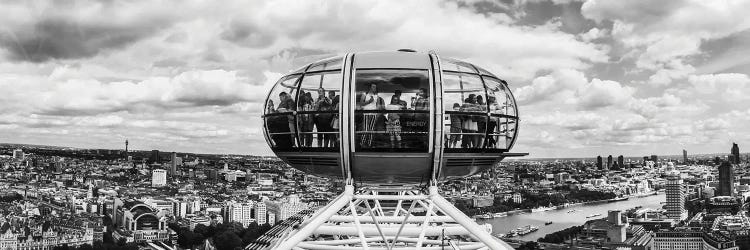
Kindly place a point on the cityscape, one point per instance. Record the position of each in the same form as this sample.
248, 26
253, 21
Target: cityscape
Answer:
120, 199
374, 124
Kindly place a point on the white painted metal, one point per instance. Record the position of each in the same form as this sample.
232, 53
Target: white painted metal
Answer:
373, 219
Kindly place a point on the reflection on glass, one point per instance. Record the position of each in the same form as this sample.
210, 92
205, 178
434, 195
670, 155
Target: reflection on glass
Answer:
384, 119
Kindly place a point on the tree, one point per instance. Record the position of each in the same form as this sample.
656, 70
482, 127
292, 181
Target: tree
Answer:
227, 240
530, 245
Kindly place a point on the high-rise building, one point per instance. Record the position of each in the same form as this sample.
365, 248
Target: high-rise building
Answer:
654, 158
155, 156
599, 162
260, 213
735, 154
158, 178
18, 154
239, 212
126, 147
175, 162
675, 194
609, 162
684, 156
621, 161
726, 180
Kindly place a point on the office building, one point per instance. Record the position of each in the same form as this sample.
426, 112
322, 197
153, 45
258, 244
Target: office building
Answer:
654, 158
158, 178
599, 162
684, 156
675, 194
726, 180
239, 212
174, 164
154, 156
621, 161
609, 162
735, 154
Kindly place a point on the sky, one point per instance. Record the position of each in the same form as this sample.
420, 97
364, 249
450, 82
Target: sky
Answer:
591, 77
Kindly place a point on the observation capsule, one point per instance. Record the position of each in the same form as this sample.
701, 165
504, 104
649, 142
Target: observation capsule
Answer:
391, 118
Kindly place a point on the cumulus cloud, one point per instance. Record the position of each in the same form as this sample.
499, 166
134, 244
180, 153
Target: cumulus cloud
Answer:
668, 33
39, 31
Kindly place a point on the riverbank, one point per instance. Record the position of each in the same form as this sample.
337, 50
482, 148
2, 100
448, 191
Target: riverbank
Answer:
561, 219
559, 207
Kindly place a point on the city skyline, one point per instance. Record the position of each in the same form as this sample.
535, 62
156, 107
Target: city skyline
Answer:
589, 78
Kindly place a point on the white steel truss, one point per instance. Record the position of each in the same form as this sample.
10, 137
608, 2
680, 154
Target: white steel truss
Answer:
376, 218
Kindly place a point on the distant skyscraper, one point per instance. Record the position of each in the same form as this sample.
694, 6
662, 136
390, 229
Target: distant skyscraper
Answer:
726, 179
173, 169
675, 194
126, 146
684, 156
155, 156
609, 162
621, 161
654, 158
599, 162
158, 178
735, 154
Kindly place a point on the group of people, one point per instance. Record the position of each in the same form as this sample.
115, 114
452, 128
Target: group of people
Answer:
466, 130
371, 101
313, 113
469, 130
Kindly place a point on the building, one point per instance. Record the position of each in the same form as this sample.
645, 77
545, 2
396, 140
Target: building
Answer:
675, 195
239, 212
285, 208
735, 154
690, 239
139, 222
609, 162
684, 156
14, 236
174, 164
726, 180
155, 156
599, 162
654, 158
260, 213
517, 198
18, 154
621, 161
158, 178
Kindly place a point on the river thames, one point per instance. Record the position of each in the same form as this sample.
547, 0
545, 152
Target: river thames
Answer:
562, 219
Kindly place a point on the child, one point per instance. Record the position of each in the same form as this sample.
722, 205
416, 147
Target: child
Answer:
455, 127
393, 124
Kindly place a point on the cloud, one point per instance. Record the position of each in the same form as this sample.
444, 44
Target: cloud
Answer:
667, 34
603, 93
69, 30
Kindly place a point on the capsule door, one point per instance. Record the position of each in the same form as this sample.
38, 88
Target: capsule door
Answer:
390, 115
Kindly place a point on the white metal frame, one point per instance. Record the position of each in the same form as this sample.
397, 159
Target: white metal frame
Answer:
377, 218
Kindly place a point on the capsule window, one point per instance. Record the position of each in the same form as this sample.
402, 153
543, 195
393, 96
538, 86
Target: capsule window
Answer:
392, 110
317, 110
503, 120
279, 113
465, 111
